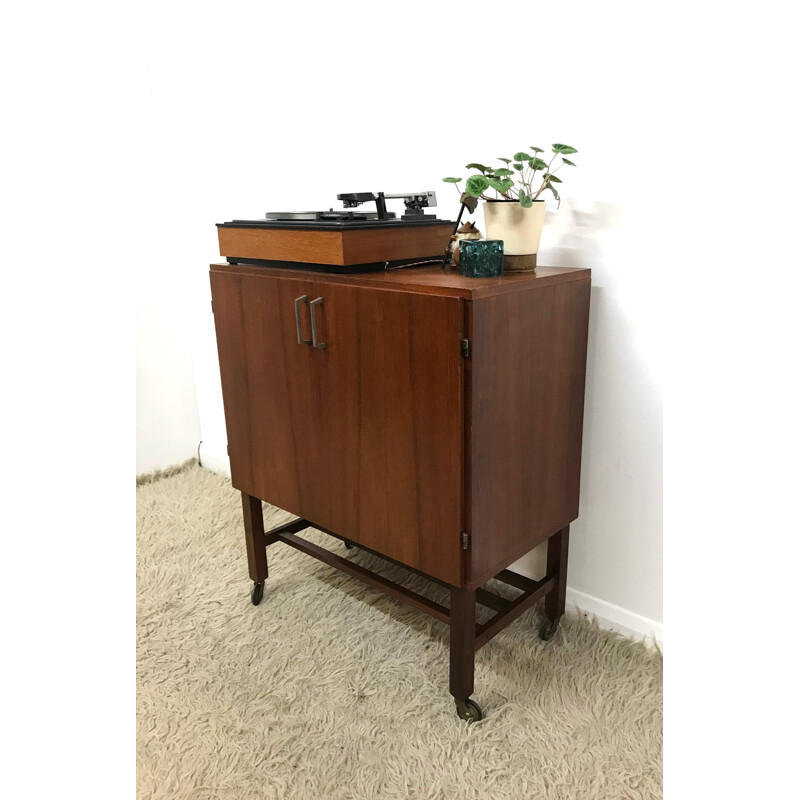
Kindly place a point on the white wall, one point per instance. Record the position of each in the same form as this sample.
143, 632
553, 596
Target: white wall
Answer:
244, 122
167, 419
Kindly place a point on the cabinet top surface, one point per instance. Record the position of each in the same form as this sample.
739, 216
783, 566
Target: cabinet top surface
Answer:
425, 280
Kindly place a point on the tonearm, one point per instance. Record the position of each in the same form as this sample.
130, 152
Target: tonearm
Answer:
415, 203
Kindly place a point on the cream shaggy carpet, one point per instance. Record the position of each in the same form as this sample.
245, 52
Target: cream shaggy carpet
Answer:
330, 690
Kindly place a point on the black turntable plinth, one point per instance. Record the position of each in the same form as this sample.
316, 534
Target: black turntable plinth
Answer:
339, 241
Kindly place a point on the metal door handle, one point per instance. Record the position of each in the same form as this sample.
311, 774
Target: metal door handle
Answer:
314, 341
300, 339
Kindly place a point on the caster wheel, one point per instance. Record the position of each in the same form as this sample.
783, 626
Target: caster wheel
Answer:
257, 593
469, 710
348, 545
548, 629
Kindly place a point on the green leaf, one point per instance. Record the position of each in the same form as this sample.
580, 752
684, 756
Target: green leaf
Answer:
524, 200
555, 193
567, 161
537, 149
499, 173
476, 185
565, 149
518, 167
507, 160
481, 167
502, 185
549, 177
451, 180
521, 157
537, 163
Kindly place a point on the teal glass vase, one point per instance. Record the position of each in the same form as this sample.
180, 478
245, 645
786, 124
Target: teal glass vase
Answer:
482, 258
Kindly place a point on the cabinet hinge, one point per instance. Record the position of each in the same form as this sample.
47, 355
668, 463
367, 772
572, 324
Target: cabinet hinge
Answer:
465, 348
212, 306
464, 541
228, 449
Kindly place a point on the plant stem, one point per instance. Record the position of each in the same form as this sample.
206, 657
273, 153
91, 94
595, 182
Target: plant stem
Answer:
532, 179
546, 173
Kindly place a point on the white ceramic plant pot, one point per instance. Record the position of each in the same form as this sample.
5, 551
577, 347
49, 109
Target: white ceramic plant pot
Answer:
519, 228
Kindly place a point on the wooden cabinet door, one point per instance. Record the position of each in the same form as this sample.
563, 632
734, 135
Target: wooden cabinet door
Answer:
363, 436
264, 371
390, 403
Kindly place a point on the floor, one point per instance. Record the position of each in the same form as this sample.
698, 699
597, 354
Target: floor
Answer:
331, 690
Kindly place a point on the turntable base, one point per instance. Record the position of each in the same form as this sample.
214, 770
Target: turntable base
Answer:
346, 246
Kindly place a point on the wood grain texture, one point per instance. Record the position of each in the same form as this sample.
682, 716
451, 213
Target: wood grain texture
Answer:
314, 247
341, 248
426, 280
409, 446
388, 244
526, 394
259, 409
390, 438
364, 437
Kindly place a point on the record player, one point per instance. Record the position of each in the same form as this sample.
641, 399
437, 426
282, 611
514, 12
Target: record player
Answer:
341, 240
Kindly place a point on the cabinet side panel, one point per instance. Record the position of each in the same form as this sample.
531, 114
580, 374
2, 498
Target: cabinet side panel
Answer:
527, 389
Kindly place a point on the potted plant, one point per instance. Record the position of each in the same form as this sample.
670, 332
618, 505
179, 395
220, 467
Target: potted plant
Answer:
515, 213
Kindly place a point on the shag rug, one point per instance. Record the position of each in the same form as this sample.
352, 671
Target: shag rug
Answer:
330, 690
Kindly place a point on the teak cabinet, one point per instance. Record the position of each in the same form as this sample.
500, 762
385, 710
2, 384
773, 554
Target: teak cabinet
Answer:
432, 419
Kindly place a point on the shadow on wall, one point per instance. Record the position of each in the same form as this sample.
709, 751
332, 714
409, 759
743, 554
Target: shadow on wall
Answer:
578, 233
615, 545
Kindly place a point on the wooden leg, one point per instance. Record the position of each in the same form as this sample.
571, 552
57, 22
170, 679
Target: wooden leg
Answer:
462, 652
254, 537
557, 551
